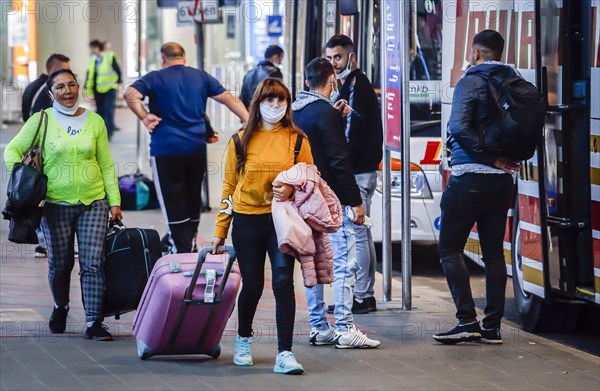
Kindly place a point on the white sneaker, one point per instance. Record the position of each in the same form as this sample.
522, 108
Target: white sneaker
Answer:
286, 363
323, 337
353, 338
241, 351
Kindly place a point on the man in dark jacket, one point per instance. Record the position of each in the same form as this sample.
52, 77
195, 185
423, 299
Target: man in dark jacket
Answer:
35, 96
479, 191
269, 67
324, 126
364, 133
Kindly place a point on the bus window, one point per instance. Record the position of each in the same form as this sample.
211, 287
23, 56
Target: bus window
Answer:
425, 54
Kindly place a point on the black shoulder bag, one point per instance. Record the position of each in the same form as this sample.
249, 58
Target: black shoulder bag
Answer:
26, 190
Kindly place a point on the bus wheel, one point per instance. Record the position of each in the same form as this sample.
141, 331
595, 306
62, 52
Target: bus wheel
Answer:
530, 307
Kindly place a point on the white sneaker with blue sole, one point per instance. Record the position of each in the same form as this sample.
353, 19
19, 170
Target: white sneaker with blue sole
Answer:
286, 363
241, 351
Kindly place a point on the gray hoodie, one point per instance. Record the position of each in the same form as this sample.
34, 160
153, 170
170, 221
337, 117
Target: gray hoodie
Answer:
304, 98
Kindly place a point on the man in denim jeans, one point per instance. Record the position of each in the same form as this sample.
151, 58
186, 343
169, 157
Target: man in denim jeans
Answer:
479, 191
364, 133
324, 126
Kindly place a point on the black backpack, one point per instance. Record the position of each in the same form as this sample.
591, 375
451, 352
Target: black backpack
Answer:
516, 124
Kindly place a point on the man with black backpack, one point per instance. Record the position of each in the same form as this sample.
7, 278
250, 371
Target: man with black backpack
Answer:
269, 67
479, 190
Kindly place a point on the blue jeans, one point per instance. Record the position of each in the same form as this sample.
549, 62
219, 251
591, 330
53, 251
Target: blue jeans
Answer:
40, 236
343, 245
365, 249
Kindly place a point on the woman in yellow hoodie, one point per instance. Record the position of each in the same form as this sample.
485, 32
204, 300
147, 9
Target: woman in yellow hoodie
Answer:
266, 146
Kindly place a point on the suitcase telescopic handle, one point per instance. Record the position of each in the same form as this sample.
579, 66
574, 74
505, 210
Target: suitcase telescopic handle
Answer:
187, 300
201, 259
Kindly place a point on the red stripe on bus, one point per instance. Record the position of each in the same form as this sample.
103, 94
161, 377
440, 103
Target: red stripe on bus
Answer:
529, 209
432, 153
596, 215
531, 245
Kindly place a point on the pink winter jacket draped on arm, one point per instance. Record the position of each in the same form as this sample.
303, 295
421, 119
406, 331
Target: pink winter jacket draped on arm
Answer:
303, 224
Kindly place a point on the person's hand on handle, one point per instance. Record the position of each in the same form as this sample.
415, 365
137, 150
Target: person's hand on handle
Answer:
115, 214
217, 245
283, 192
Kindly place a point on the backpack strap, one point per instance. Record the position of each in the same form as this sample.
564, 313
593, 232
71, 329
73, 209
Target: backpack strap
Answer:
237, 142
491, 87
297, 147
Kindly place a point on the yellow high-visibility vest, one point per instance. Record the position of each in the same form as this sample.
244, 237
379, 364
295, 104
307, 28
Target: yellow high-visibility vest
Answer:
107, 77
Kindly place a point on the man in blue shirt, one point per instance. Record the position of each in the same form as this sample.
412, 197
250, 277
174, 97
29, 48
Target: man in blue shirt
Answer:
176, 122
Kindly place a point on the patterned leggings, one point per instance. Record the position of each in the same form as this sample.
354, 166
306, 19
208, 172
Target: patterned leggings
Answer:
60, 224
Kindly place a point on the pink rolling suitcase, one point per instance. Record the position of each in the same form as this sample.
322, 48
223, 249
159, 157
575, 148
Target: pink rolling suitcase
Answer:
186, 304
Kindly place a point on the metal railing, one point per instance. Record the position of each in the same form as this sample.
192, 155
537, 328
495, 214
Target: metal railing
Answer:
231, 76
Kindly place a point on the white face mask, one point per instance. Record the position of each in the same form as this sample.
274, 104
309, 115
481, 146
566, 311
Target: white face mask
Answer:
272, 115
62, 109
344, 74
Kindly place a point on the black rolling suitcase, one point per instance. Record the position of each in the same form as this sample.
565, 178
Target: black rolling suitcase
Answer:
130, 256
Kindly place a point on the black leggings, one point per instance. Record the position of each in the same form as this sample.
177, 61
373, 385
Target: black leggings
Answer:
253, 236
178, 181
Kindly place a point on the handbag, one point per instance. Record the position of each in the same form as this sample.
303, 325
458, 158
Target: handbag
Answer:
26, 190
33, 156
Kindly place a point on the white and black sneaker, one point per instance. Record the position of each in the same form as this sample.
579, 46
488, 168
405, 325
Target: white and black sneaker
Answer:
323, 337
40, 251
491, 336
353, 338
461, 333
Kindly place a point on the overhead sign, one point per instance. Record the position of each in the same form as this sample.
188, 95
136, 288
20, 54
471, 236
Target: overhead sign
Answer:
275, 26
393, 75
167, 3
198, 11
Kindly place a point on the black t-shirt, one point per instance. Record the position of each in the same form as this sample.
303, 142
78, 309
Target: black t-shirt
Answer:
35, 97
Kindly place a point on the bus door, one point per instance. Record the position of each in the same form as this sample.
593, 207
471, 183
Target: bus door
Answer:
595, 145
565, 70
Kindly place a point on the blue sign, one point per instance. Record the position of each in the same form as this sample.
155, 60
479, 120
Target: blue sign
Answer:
437, 223
257, 31
275, 26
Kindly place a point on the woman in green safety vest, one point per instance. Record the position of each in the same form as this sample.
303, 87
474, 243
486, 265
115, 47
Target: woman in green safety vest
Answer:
103, 76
